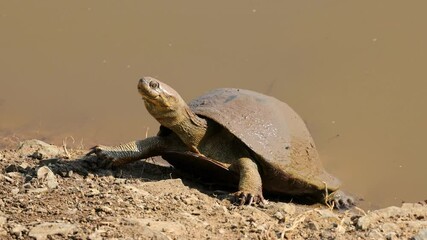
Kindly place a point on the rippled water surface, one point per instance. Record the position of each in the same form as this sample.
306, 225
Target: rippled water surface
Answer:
355, 71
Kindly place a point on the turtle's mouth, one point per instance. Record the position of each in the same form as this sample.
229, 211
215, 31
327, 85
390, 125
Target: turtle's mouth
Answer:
150, 99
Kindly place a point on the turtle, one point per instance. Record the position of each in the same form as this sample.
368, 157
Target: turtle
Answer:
240, 138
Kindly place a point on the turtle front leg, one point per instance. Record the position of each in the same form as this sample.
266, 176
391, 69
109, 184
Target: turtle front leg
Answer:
250, 183
113, 156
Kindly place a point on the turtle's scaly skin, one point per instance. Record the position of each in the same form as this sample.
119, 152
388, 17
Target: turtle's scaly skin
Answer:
238, 137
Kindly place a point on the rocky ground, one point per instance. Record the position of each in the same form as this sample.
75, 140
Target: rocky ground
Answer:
49, 192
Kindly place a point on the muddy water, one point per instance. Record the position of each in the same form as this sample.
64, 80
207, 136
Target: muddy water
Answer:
355, 71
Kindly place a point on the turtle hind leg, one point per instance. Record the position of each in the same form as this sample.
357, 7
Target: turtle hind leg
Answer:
113, 156
250, 183
340, 200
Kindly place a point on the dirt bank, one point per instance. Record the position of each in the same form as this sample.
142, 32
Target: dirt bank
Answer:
47, 192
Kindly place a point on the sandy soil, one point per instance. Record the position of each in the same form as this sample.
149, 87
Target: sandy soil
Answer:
49, 193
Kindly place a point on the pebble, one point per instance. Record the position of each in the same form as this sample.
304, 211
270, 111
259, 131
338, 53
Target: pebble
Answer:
225, 210
161, 226
104, 209
278, 215
422, 235
15, 191
8, 179
190, 200
340, 229
375, 234
407, 209
3, 221
390, 227
92, 192
46, 229
3, 232
327, 213
17, 230
288, 208
14, 168
38, 190
39, 149
313, 226
45, 175
417, 224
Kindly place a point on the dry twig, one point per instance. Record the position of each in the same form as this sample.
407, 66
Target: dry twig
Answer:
329, 198
64, 146
299, 219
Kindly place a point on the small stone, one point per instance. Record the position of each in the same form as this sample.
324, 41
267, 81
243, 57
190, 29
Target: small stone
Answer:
14, 168
224, 208
375, 234
190, 200
422, 235
14, 175
28, 178
347, 221
43, 230
17, 230
3, 221
364, 222
3, 232
92, 192
38, 149
288, 208
326, 213
260, 228
14, 191
119, 181
340, 229
313, 226
160, 226
104, 209
36, 155
390, 227
46, 175
8, 179
278, 216
390, 236
24, 165
38, 190
416, 224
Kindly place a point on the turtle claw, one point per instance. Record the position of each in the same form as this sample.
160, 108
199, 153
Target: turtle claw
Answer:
343, 201
247, 198
104, 159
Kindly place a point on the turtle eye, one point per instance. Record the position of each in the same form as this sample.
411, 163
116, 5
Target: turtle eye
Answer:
153, 84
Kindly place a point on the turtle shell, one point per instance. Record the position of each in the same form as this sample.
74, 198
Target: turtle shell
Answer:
274, 132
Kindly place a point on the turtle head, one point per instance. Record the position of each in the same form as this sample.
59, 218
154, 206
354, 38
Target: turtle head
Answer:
171, 111
162, 101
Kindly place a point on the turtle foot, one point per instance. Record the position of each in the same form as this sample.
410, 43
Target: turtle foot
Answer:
105, 157
248, 198
342, 201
